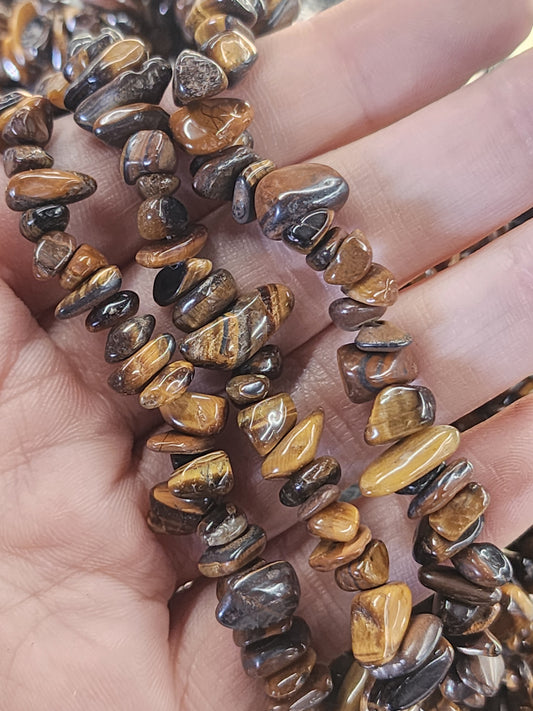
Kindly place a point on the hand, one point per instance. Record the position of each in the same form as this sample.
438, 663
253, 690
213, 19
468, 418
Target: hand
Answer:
433, 168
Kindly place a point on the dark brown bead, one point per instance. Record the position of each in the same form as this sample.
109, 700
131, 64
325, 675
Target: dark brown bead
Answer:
133, 374
483, 564
157, 185
205, 301
460, 619
112, 311
40, 188
308, 232
127, 336
171, 515
222, 560
222, 525
260, 598
31, 122
305, 482
161, 218
244, 390
369, 570
317, 688
196, 77
291, 678
277, 14
352, 260
429, 547
286, 195
147, 152
267, 422
36, 222
20, 158
482, 674
416, 487
267, 361
85, 261
163, 253
453, 519
322, 254
90, 293
484, 643
330, 555
270, 655
51, 254
399, 411
176, 279
225, 583
242, 638
243, 201
349, 315
215, 179
451, 584
233, 52
82, 53
196, 414
11, 99
441, 489
323, 497
114, 127
377, 288
207, 475
455, 691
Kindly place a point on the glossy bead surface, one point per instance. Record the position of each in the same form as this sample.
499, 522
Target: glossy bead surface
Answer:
351, 262
167, 385
147, 152
115, 127
157, 185
98, 287
196, 414
453, 519
316, 689
307, 233
323, 253
171, 515
482, 674
39, 188
208, 475
171, 251
442, 488
196, 77
133, 374
126, 337
21, 158
112, 311
348, 315
377, 288
215, 178
449, 583
176, 279
382, 336
242, 638
85, 261
307, 480
244, 390
227, 559
51, 254
338, 522
367, 571
399, 411
296, 449
268, 656
267, 361
176, 443
429, 547
222, 525
243, 205
291, 678
205, 301
483, 564
329, 555
325, 495
461, 619
484, 644
233, 52
278, 14
36, 222
216, 23
161, 218
30, 122
267, 422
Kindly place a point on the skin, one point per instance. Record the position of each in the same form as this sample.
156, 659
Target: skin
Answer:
432, 168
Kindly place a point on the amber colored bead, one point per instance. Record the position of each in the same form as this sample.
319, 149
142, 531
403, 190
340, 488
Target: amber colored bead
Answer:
161, 218
351, 262
323, 253
207, 475
243, 205
53, 86
176, 279
271, 655
147, 152
267, 361
167, 385
38, 221
441, 489
329, 555
244, 390
350, 693
39, 188
112, 311
114, 127
369, 570
223, 560
171, 515
232, 51
483, 564
205, 301
379, 621
88, 294
408, 460
176, 443
51, 254
307, 233
399, 411
210, 125
450, 584
202, 9
21, 158
291, 678
222, 525
31, 121
365, 374
377, 288
85, 261
317, 688
242, 638
157, 185
338, 522
132, 376
196, 414
215, 178
382, 336
453, 519
196, 77
267, 422
324, 496
296, 449
216, 23
349, 315
127, 337
170, 251
429, 547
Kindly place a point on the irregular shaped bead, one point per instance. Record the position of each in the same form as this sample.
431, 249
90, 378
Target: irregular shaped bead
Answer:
242, 638
408, 460
365, 374
90, 293
225, 583
461, 619
244, 390
448, 582
271, 655
215, 24
349, 315
53, 87
382, 336
482, 674
329, 555
267, 422
222, 525
338, 522
369, 570
52, 252
161, 218
84, 54
352, 687
456, 692
31, 122
377, 288
260, 598
171, 515
230, 340
441, 489
453, 519
243, 207
483, 564
399, 411
39, 188
132, 376
196, 77
233, 52
147, 152
291, 678
215, 178
352, 261
176, 279
157, 185
420, 484
170, 251
196, 413
169, 384
223, 560
379, 621
85, 261
207, 475
210, 125
323, 253
484, 644
323, 497
205, 301
126, 337
21, 158
429, 547
308, 232
115, 127
38, 221
267, 361
286, 195
112, 311
296, 449
277, 15
310, 478
317, 688
176, 443
144, 86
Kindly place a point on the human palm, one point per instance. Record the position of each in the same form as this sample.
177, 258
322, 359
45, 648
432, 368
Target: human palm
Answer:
84, 585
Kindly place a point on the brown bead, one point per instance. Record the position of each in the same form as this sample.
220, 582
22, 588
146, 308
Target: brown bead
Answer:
223, 560
291, 678
30, 122
324, 496
267, 361
271, 655
379, 620
266, 423
215, 24
303, 483
278, 14
399, 411
112, 311
222, 525
171, 515
308, 232
351, 262
329, 555
89, 293
455, 690
482, 674
205, 301
115, 127
176, 279
349, 315
243, 207
429, 547
132, 376
210, 125
338, 522
53, 86
453, 519
286, 195
441, 489
382, 336
460, 619
226, 583
215, 178
169, 384
484, 644
176, 443
196, 414
408, 460
21, 158
157, 185
161, 218
127, 337
244, 390
38, 221
202, 9
196, 77
85, 261
39, 188
483, 564
232, 51
369, 570
350, 694
147, 152
448, 582
296, 449
231, 339
207, 475
323, 253
170, 251
51, 254
365, 374
377, 288
317, 688
242, 638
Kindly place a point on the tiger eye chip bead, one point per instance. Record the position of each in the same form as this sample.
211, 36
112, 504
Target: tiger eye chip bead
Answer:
208, 475
18, 159
330, 555
231, 557
338, 522
441, 489
317, 688
114, 127
111, 311
51, 254
382, 336
39, 188
267, 361
171, 515
233, 52
215, 178
168, 384
85, 261
452, 520
161, 253
159, 218
291, 678
196, 414
205, 301
222, 525
483, 564
176, 443
449, 583
429, 547
369, 570
310, 479
349, 315
399, 411
90, 293
157, 185
244, 390
133, 374
351, 262
34, 223
147, 152
377, 288
320, 499
176, 279
267, 422
296, 449
196, 77
308, 232
127, 337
